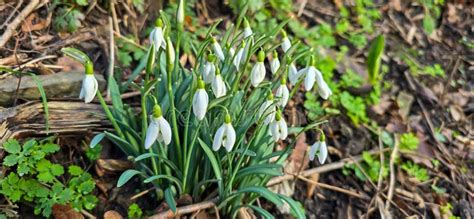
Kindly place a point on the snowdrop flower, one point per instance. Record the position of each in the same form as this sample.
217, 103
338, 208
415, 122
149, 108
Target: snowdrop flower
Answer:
286, 44
293, 74
89, 84
258, 71
319, 147
217, 49
159, 129
200, 101
180, 14
225, 136
231, 50
209, 69
282, 93
170, 54
218, 85
239, 57
278, 128
268, 110
275, 63
323, 89
156, 35
247, 30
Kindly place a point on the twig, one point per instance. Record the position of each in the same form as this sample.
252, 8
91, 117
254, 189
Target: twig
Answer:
10, 30
35, 60
87, 214
114, 16
331, 187
18, 5
321, 169
391, 187
184, 210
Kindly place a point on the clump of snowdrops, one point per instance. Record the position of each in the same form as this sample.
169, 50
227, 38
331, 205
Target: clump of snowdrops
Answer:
211, 130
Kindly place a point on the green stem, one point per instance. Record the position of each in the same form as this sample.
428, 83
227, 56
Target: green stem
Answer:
109, 115
187, 161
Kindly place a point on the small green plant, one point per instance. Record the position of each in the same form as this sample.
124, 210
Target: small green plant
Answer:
68, 14
134, 211
370, 165
37, 180
420, 173
355, 108
409, 141
432, 10
128, 52
416, 69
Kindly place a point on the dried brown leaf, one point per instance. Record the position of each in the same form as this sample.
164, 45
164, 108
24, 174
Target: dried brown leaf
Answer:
65, 212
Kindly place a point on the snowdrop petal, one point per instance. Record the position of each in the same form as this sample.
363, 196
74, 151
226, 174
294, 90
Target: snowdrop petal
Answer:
89, 88
323, 153
165, 130
274, 65
286, 44
200, 102
231, 52
283, 129
247, 32
293, 74
274, 130
323, 89
218, 86
314, 148
283, 94
229, 137
258, 74
238, 59
208, 72
151, 133
218, 137
218, 50
81, 94
310, 78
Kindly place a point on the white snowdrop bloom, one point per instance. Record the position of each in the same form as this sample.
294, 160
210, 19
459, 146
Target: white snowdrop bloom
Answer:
278, 128
209, 69
170, 54
286, 44
89, 85
258, 71
180, 14
218, 86
159, 129
231, 51
321, 149
323, 89
282, 94
200, 101
267, 109
247, 30
293, 74
310, 77
225, 136
275, 63
217, 49
238, 57
156, 35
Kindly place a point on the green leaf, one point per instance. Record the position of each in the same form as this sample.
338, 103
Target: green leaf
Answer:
409, 141
126, 176
82, 2
170, 178
428, 23
49, 148
374, 58
86, 187
170, 199
264, 192
295, 206
75, 170
265, 169
96, 140
76, 54
12, 146
10, 160
45, 177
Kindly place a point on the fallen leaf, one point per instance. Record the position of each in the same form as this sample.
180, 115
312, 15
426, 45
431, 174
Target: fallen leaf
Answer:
28, 26
452, 14
112, 215
310, 187
245, 213
114, 165
383, 105
457, 113
404, 102
65, 212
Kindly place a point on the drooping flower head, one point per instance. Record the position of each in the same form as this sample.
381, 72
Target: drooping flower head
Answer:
158, 129
180, 14
258, 71
157, 35
218, 85
275, 63
200, 100
217, 49
247, 30
312, 74
170, 54
267, 109
319, 148
278, 128
293, 74
225, 135
282, 93
89, 84
285, 44
239, 57
209, 69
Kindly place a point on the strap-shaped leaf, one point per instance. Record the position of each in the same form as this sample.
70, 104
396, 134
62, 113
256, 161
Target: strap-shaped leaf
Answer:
126, 176
266, 169
374, 58
170, 178
76, 54
96, 140
214, 163
264, 192
295, 207
170, 199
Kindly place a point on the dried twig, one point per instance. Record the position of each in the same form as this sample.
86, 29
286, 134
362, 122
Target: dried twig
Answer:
10, 30
110, 74
331, 187
391, 187
184, 210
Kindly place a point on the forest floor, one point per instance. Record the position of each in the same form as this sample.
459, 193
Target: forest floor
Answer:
433, 180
